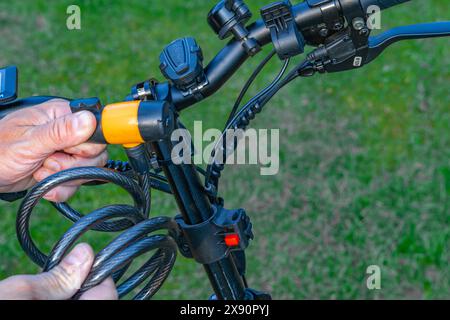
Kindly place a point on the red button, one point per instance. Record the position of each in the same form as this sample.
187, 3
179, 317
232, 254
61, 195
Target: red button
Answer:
232, 240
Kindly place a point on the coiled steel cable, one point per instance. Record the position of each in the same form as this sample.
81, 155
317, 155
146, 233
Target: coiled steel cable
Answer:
116, 257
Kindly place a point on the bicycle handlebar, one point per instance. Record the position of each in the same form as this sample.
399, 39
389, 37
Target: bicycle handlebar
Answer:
307, 15
233, 55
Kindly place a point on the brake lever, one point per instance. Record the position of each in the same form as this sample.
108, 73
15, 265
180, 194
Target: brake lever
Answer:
378, 43
343, 52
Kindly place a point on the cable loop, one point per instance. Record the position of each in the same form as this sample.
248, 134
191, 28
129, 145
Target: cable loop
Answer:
115, 259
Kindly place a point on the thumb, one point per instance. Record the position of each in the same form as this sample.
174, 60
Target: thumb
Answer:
65, 132
63, 281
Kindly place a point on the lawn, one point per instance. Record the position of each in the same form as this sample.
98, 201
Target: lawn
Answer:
364, 176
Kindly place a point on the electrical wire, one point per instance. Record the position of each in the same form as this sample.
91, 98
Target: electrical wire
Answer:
221, 142
248, 112
248, 83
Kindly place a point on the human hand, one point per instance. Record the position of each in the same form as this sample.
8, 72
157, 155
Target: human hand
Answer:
43, 140
61, 283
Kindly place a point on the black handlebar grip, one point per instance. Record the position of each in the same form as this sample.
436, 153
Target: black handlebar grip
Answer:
383, 4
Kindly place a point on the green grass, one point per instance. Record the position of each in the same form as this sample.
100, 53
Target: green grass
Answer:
365, 171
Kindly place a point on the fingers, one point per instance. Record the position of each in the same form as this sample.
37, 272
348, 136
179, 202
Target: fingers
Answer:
58, 108
61, 194
55, 108
29, 139
41, 114
86, 150
16, 288
61, 161
104, 291
64, 132
63, 281
60, 283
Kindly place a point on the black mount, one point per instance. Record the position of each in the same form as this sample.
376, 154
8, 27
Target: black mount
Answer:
286, 37
225, 232
251, 294
181, 62
144, 90
228, 18
346, 49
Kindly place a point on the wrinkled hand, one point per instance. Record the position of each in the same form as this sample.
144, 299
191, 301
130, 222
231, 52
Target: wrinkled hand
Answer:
61, 283
43, 140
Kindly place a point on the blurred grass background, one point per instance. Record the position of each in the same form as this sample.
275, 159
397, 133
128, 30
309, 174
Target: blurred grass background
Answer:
365, 171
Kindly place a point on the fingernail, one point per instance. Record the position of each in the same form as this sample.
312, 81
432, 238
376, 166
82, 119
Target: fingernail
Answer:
78, 256
53, 165
83, 120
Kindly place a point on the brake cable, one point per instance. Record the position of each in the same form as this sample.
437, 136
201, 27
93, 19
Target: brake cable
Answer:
246, 114
248, 83
210, 172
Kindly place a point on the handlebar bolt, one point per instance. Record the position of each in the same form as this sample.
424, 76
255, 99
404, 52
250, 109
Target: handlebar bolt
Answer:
338, 26
323, 32
144, 90
358, 24
364, 32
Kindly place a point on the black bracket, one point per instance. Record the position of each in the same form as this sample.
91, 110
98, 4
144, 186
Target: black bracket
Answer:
347, 49
250, 295
181, 62
144, 90
226, 232
228, 18
286, 37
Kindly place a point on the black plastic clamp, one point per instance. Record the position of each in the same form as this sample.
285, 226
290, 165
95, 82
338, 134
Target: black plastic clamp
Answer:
144, 90
250, 295
225, 232
286, 37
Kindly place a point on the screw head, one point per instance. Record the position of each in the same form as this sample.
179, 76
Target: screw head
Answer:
364, 32
358, 23
337, 26
323, 32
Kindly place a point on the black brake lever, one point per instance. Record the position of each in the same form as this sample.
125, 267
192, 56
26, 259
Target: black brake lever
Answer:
343, 52
378, 43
